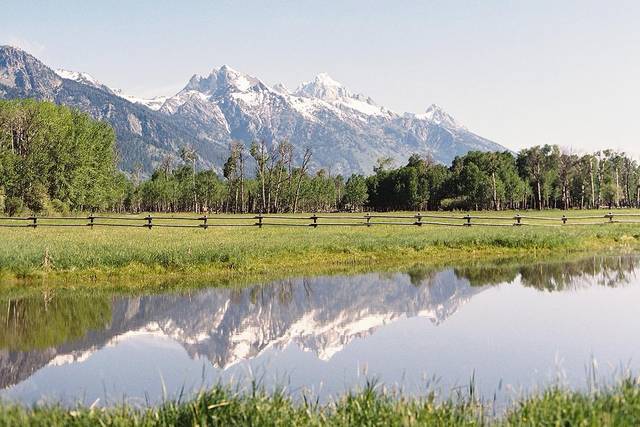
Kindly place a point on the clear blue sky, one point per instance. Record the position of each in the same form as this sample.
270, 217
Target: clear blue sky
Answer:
519, 72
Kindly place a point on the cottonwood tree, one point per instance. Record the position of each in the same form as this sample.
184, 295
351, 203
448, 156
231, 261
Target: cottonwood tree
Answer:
233, 171
355, 193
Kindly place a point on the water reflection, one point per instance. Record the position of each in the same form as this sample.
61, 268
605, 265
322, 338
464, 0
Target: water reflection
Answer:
608, 271
320, 316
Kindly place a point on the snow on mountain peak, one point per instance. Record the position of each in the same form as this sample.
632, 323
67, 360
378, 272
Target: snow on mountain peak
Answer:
281, 89
153, 103
438, 115
326, 80
323, 87
235, 79
227, 69
87, 79
224, 78
84, 78
227, 73
75, 75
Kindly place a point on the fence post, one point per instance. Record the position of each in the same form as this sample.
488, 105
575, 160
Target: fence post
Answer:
610, 216
204, 222
34, 220
564, 219
259, 220
149, 218
368, 218
90, 218
468, 218
518, 219
315, 221
419, 221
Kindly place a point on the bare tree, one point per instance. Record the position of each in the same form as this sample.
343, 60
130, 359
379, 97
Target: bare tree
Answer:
306, 158
188, 155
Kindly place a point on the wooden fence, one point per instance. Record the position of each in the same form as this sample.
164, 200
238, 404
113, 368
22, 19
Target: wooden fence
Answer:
366, 220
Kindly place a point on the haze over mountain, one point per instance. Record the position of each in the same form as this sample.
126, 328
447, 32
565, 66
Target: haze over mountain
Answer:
347, 132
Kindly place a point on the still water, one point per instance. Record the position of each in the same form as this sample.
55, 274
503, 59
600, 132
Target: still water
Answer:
512, 328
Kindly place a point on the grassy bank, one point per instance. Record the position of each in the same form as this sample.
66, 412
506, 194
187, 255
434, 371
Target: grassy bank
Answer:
142, 257
615, 406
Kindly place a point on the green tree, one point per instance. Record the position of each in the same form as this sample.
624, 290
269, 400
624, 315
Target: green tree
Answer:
50, 152
355, 193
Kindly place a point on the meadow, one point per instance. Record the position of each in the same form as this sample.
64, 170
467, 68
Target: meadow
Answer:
617, 405
154, 257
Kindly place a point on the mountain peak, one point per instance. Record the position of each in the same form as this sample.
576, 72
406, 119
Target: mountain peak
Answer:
235, 79
24, 73
226, 69
326, 80
224, 78
10, 49
281, 88
323, 86
80, 77
436, 114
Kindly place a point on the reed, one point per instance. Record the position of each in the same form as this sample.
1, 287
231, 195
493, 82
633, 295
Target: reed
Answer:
618, 405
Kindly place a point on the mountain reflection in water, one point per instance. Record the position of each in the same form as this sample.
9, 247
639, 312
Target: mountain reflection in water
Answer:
320, 315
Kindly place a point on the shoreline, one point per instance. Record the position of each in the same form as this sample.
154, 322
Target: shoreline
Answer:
136, 277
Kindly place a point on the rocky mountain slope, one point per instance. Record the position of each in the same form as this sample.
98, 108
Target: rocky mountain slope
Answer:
143, 135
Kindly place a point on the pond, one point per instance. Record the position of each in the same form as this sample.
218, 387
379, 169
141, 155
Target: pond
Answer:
509, 329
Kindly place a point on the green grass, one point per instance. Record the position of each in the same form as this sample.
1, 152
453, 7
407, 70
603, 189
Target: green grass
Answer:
141, 257
613, 406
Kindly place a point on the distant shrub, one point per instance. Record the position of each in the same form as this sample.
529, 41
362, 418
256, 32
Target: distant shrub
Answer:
454, 204
58, 207
36, 198
13, 205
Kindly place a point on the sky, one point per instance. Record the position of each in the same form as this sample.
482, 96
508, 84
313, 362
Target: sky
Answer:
520, 73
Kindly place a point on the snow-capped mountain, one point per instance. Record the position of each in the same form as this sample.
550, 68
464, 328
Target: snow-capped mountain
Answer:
325, 88
437, 115
154, 103
347, 131
85, 78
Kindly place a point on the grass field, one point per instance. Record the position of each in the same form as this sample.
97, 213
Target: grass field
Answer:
142, 257
615, 406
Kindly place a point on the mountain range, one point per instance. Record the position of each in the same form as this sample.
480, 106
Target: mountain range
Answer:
346, 131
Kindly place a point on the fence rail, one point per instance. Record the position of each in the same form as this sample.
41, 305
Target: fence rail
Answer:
314, 221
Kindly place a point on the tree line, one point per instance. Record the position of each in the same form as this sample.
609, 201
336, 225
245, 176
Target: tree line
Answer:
55, 159
539, 177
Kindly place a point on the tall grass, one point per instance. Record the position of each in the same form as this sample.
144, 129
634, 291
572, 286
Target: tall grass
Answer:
614, 406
